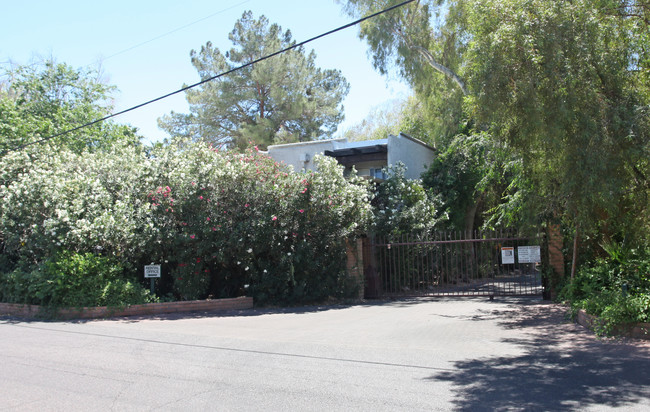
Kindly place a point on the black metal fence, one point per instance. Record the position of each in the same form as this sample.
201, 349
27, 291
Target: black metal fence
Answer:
454, 264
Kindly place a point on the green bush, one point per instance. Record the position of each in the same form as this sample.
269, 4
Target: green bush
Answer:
232, 223
403, 207
72, 280
216, 221
617, 289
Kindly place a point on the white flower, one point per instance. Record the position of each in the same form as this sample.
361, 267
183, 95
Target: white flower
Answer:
250, 250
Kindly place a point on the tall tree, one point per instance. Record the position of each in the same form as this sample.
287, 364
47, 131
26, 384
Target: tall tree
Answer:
558, 82
423, 42
563, 84
285, 98
46, 98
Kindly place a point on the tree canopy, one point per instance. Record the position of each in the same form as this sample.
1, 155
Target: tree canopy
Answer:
562, 85
285, 98
46, 98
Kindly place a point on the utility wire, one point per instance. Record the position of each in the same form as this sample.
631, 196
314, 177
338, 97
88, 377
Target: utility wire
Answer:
209, 79
173, 31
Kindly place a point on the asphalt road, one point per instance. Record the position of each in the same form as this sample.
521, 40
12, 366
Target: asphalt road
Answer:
444, 354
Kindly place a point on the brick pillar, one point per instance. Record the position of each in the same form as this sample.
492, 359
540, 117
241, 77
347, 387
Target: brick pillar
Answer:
372, 281
555, 256
354, 263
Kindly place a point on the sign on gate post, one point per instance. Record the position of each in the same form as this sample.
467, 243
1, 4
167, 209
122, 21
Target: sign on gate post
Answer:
529, 254
507, 255
152, 272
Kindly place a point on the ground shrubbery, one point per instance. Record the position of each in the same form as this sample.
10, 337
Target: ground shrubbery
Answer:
615, 289
72, 280
220, 223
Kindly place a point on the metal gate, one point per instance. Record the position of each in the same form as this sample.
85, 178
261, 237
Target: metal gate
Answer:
454, 264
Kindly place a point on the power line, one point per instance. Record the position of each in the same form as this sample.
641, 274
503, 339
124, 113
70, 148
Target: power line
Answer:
209, 79
174, 30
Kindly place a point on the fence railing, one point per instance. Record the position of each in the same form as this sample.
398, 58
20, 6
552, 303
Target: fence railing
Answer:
455, 263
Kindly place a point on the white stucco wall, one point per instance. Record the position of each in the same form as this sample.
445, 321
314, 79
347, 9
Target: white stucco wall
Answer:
294, 154
415, 154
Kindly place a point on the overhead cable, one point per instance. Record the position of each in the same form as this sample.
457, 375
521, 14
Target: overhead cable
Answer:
209, 79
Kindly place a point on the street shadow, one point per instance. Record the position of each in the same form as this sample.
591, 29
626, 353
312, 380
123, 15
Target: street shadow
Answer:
558, 366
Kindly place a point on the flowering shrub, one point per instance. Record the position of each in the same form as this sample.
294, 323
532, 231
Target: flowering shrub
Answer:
220, 223
89, 202
402, 206
228, 220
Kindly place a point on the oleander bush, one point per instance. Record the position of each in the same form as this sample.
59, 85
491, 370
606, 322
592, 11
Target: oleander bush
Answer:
221, 223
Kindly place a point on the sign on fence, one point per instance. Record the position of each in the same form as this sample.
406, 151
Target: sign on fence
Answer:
529, 254
507, 255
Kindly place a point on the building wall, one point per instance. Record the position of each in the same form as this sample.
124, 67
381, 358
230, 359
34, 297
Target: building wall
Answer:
415, 154
301, 155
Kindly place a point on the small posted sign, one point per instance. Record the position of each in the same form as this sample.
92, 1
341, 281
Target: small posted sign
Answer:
529, 254
507, 255
152, 271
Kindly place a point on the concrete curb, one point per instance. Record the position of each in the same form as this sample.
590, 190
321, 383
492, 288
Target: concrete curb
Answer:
33, 311
635, 330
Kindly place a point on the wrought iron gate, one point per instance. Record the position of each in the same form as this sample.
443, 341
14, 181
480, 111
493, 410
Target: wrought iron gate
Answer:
454, 264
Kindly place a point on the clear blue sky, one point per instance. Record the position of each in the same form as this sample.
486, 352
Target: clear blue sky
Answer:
83, 33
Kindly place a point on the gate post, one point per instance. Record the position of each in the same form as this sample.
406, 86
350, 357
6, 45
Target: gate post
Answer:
354, 263
372, 281
555, 256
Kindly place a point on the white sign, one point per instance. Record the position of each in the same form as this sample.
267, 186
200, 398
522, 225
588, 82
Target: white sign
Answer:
152, 271
507, 255
528, 254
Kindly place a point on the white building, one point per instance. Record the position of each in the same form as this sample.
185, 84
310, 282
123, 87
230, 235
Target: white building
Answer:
369, 157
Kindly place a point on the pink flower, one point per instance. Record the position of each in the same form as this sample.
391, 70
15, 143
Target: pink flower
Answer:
274, 218
214, 229
192, 236
198, 260
193, 184
302, 210
246, 205
200, 197
208, 219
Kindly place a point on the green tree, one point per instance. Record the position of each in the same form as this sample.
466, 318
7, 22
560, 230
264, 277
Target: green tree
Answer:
285, 98
405, 116
557, 81
46, 98
561, 84
421, 40
469, 176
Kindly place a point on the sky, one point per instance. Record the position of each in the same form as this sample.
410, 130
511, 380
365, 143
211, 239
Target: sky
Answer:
143, 47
